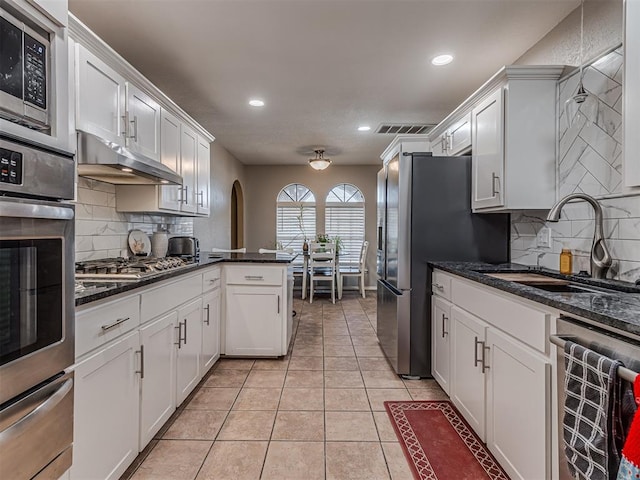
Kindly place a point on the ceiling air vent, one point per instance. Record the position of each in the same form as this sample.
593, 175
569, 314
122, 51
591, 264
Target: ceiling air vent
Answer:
406, 129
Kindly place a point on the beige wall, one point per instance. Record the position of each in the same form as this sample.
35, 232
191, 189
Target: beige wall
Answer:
264, 182
561, 46
215, 231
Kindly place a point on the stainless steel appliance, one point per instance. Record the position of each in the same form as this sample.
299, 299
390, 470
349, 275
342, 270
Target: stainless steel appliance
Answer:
617, 345
184, 247
24, 71
123, 269
424, 214
36, 311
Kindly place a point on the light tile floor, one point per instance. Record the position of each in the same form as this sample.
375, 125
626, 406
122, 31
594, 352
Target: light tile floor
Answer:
318, 413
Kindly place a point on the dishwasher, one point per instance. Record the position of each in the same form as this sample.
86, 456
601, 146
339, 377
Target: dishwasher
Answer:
617, 345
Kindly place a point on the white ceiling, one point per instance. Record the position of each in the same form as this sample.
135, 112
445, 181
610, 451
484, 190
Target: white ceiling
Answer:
323, 67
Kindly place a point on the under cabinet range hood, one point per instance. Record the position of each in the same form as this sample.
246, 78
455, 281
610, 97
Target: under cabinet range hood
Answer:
109, 162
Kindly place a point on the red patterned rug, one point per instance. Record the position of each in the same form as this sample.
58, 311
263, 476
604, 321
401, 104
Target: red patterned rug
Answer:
438, 443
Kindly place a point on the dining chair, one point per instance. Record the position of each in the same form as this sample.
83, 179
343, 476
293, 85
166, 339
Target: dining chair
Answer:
322, 266
354, 271
283, 250
229, 250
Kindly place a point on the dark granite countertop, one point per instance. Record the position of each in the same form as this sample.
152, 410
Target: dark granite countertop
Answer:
97, 290
618, 308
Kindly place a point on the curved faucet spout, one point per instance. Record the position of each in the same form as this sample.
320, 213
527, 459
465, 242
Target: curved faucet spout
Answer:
600, 256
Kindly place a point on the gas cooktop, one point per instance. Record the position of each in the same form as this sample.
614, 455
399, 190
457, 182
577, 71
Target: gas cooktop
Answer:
122, 269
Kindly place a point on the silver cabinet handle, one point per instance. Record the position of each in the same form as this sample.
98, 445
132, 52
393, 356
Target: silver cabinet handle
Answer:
444, 326
186, 195
201, 196
476, 360
438, 286
213, 280
483, 358
494, 190
253, 277
141, 371
134, 122
125, 125
278, 304
119, 321
485, 349
207, 309
179, 328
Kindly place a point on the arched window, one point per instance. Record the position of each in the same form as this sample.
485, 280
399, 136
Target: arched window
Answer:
295, 217
344, 218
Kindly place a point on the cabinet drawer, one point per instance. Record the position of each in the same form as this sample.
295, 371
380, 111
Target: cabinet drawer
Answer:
99, 325
167, 297
441, 284
250, 275
526, 323
211, 279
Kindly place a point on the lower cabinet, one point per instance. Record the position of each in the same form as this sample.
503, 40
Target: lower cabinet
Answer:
467, 368
210, 330
189, 331
440, 342
158, 392
254, 320
105, 426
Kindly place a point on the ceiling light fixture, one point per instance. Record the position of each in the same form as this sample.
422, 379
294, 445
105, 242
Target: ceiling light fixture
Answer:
442, 60
256, 103
364, 128
319, 162
582, 107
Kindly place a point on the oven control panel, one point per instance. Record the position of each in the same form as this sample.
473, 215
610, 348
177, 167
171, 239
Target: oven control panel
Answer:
10, 167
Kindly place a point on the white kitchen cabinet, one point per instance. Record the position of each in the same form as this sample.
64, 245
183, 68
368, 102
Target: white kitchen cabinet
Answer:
158, 382
517, 401
100, 93
169, 195
203, 158
210, 330
188, 169
467, 376
254, 321
454, 140
441, 341
142, 123
631, 94
488, 152
189, 340
106, 414
438, 146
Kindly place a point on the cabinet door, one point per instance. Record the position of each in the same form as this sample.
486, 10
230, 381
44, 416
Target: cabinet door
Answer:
467, 377
143, 123
100, 98
440, 341
170, 157
460, 135
438, 146
158, 393
518, 393
253, 324
105, 426
203, 162
210, 330
188, 153
190, 343
488, 152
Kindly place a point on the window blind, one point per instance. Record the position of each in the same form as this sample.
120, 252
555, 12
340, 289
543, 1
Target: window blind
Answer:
288, 231
346, 220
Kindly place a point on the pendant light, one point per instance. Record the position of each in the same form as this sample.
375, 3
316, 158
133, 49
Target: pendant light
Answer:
319, 162
583, 106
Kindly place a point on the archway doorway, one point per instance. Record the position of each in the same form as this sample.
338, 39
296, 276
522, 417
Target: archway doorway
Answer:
237, 216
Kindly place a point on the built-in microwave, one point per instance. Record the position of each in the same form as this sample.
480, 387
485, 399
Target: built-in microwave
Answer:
24, 72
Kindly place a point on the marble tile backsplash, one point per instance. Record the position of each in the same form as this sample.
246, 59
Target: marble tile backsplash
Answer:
589, 161
102, 232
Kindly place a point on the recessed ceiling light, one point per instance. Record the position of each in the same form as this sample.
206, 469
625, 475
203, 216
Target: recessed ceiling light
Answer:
364, 128
256, 103
442, 60
126, 170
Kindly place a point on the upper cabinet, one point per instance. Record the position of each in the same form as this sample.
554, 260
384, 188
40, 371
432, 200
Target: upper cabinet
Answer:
116, 103
509, 124
631, 95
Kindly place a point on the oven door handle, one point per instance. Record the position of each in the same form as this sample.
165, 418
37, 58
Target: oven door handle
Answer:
38, 404
34, 210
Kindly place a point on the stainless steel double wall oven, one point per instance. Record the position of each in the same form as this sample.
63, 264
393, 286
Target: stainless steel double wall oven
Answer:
36, 311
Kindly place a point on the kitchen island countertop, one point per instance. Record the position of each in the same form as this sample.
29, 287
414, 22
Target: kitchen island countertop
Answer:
98, 290
618, 310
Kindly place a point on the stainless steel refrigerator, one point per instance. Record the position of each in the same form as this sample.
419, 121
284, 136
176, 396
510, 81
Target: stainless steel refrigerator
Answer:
424, 214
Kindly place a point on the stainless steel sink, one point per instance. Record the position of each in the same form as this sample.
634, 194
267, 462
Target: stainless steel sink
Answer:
571, 288
550, 284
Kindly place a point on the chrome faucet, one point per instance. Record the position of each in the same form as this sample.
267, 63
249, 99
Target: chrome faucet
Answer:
600, 256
